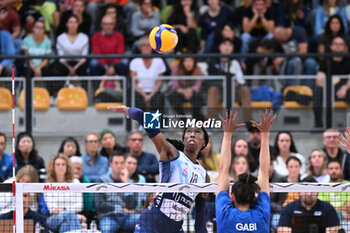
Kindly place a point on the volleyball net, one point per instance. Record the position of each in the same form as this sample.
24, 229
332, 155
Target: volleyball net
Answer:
116, 207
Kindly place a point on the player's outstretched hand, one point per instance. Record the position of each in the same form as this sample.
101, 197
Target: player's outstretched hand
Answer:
344, 140
266, 121
121, 109
229, 124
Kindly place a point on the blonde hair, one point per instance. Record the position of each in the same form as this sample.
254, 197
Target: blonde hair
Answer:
30, 171
51, 175
310, 168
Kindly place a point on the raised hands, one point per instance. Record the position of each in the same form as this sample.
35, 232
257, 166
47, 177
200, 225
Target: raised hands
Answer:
229, 124
266, 121
345, 141
121, 109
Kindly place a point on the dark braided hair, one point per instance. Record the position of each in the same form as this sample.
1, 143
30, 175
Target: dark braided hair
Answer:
245, 189
179, 145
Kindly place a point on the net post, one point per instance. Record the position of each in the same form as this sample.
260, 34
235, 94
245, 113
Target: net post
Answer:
19, 208
13, 146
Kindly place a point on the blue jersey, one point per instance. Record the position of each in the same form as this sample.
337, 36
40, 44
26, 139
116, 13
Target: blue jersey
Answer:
232, 220
169, 209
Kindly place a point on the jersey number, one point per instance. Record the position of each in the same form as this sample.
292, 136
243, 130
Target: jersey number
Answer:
194, 178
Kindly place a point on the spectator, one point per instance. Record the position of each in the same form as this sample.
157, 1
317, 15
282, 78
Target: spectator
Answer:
210, 161
70, 147
258, 22
187, 91
147, 162
334, 152
334, 28
308, 205
254, 143
72, 42
27, 174
262, 65
338, 65
135, 177
27, 212
241, 147
283, 148
340, 200
6, 160
282, 199
88, 198
145, 73
292, 13
132, 166
109, 143
239, 166
323, 12
294, 40
184, 17
113, 10
7, 49
9, 21
94, 164
212, 21
63, 206
228, 32
38, 44
26, 154
143, 20
107, 41
84, 21
116, 211
225, 66
317, 166
276, 205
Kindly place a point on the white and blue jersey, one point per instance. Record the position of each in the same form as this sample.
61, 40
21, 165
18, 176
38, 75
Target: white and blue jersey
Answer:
169, 209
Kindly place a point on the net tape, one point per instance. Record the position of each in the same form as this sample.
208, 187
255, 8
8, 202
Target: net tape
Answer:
172, 187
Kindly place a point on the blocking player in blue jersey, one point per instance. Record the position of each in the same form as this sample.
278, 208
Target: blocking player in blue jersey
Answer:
247, 207
177, 164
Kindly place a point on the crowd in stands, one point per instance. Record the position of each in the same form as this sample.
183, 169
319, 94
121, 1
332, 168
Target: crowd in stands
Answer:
106, 161
78, 27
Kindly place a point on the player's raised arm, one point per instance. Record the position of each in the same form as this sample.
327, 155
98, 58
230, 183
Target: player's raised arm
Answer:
165, 149
229, 125
264, 157
344, 140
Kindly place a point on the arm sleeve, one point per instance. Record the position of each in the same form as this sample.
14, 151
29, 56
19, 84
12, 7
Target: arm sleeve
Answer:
200, 219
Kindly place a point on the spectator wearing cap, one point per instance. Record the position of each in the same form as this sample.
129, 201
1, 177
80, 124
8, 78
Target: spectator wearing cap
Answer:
94, 165
109, 143
254, 142
148, 164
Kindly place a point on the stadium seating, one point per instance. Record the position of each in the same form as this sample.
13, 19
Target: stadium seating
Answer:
5, 99
72, 99
302, 90
41, 99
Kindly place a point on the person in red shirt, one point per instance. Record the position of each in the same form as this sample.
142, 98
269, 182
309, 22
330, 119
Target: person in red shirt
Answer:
107, 41
9, 21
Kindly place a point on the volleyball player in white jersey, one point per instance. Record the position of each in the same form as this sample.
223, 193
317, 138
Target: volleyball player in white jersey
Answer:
178, 164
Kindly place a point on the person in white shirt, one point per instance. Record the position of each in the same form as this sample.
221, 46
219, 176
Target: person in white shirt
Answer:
72, 42
283, 148
317, 166
146, 72
63, 205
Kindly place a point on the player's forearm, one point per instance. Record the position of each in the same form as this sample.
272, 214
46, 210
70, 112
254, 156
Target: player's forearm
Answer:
137, 114
225, 158
264, 156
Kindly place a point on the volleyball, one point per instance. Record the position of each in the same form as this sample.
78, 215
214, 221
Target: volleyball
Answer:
163, 38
